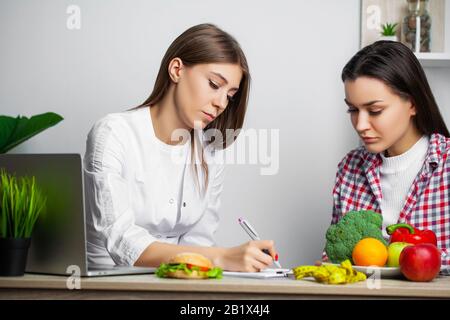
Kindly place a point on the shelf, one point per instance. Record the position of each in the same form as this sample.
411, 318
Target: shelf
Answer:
434, 59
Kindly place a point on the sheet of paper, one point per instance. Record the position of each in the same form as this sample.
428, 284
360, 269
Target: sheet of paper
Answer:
264, 274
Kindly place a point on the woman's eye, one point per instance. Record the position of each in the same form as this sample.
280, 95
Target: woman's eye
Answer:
375, 113
352, 110
230, 98
213, 85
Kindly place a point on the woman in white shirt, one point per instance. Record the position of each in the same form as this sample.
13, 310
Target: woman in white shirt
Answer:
150, 195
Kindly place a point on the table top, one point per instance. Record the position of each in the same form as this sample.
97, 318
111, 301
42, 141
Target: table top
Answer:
438, 288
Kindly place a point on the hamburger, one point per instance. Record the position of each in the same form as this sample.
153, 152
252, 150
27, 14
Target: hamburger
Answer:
189, 265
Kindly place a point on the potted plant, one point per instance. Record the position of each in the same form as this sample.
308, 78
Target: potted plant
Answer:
14, 131
21, 203
389, 32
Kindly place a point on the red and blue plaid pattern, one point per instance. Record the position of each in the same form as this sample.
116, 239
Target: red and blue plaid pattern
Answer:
427, 205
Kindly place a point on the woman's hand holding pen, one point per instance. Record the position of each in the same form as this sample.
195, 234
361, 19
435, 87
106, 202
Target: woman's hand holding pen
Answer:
248, 257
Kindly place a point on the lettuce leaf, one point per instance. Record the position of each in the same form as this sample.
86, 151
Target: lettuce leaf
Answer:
164, 268
215, 273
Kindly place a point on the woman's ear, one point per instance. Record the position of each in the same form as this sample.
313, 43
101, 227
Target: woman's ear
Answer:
412, 108
175, 68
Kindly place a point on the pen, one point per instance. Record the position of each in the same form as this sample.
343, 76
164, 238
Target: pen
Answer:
254, 236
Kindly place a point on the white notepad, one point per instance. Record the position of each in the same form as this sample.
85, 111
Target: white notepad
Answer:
264, 274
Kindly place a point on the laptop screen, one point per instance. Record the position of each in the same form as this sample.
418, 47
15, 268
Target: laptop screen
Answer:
58, 239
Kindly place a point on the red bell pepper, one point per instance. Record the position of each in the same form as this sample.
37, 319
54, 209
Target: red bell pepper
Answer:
403, 232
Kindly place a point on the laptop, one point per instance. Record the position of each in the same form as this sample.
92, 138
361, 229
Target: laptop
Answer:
58, 243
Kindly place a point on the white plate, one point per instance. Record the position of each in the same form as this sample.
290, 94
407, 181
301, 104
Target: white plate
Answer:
384, 272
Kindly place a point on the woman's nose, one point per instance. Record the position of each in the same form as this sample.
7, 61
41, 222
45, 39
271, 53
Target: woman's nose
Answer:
221, 101
362, 122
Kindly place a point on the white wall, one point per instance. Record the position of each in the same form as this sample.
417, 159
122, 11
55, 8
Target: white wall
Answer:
296, 50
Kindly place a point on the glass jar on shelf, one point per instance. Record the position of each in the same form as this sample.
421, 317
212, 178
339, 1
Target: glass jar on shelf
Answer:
417, 26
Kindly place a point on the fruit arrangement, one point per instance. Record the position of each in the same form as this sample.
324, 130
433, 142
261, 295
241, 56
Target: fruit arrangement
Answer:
416, 254
330, 274
357, 237
413, 251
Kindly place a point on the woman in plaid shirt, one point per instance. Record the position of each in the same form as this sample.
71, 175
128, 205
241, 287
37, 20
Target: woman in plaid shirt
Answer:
402, 170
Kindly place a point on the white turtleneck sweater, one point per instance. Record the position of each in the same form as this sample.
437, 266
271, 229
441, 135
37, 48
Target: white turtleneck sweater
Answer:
397, 175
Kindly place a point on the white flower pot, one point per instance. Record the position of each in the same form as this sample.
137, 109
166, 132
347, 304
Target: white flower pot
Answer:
390, 38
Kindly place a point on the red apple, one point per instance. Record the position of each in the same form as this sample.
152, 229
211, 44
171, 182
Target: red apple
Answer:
421, 262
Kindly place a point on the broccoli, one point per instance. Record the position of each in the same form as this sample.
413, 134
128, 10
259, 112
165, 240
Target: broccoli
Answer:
354, 226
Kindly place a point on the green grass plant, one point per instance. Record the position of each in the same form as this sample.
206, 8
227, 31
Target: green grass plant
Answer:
21, 203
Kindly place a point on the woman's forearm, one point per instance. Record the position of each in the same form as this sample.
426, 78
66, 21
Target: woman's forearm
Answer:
247, 257
159, 252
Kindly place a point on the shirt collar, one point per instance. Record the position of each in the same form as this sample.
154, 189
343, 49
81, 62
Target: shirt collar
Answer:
371, 160
435, 151
436, 148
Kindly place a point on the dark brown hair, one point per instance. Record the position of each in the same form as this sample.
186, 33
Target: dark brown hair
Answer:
396, 65
206, 43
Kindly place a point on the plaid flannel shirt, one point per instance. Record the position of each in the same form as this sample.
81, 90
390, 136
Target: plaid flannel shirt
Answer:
427, 204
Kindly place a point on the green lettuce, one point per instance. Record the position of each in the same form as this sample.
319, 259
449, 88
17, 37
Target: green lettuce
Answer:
164, 268
215, 273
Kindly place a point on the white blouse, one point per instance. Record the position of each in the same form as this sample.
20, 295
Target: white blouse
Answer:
136, 193
397, 174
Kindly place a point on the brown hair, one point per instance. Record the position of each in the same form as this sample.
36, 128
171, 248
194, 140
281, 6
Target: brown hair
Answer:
396, 65
206, 43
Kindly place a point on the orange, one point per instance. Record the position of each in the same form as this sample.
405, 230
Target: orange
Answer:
370, 252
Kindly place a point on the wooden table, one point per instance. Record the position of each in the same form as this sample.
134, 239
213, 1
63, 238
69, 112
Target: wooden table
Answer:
32, 286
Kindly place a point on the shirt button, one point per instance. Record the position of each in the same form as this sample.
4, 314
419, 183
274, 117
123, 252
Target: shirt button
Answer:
184, 204
171, 201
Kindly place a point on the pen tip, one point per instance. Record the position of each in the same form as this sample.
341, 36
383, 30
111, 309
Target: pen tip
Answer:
240, 219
